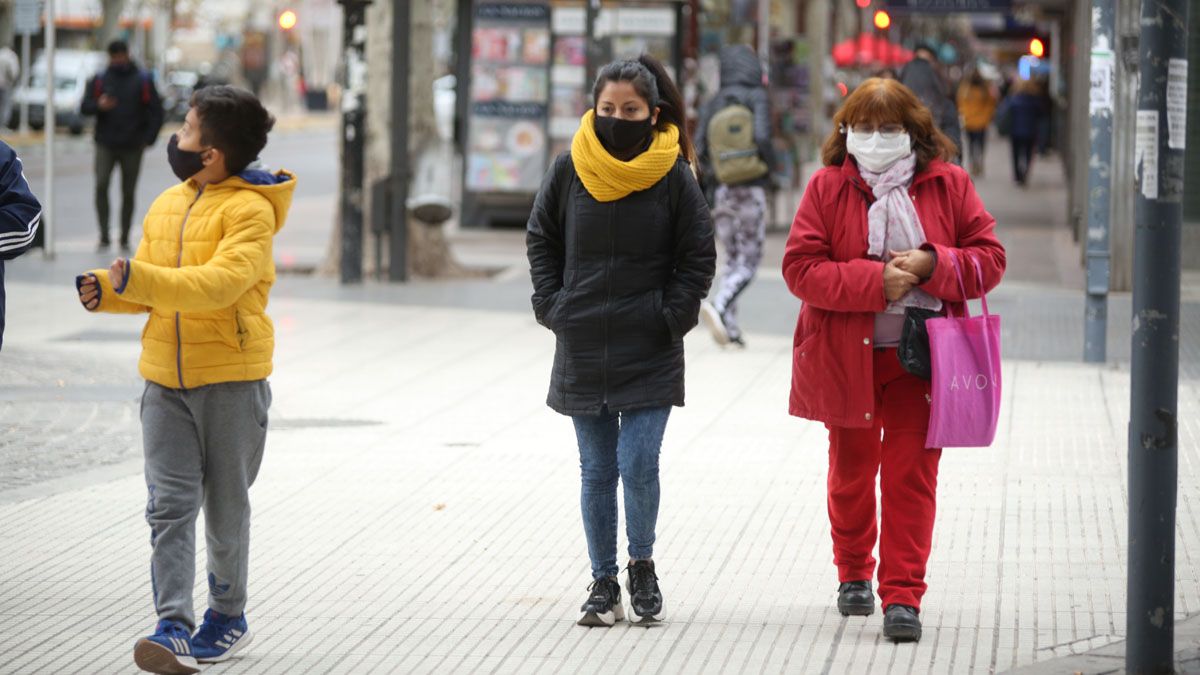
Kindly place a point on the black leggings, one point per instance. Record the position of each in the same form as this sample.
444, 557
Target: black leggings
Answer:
1022, 151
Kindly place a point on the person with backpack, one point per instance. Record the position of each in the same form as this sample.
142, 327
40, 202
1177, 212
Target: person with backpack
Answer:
733, 144
129, 115
621, 253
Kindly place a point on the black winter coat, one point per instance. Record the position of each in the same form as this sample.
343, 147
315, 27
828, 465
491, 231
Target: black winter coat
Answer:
619, 283
138, 117
20, 214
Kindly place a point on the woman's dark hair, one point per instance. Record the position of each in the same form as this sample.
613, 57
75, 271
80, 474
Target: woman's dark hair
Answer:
651, 81
233, 121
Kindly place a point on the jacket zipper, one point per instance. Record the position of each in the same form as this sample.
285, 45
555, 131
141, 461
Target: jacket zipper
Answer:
179, 264
612, 209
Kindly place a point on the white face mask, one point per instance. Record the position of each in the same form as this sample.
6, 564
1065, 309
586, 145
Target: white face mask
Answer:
876, 153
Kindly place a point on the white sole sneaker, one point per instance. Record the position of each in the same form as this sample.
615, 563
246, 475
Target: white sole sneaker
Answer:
602, 620
645, 620
242, 643
712, 319
155, 658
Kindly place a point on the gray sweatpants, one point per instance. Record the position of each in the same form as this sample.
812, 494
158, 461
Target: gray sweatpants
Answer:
203, 447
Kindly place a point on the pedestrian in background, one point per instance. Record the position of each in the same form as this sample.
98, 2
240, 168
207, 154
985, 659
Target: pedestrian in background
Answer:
10, 75
873, 236
1025, 113
203, 270
621, 253
733, 146
923, 77
20, 215
977, 105
129, 115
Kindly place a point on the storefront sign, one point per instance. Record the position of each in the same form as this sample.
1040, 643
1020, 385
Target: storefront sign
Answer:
950, 6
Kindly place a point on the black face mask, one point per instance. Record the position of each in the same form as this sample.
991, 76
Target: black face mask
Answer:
185, 163
620, 135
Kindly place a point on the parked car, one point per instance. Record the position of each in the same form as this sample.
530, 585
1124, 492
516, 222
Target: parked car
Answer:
180, 85
72, 71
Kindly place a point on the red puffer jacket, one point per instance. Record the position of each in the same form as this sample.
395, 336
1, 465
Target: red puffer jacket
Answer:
826, 266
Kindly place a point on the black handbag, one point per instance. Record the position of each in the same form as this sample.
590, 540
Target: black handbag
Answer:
913, 351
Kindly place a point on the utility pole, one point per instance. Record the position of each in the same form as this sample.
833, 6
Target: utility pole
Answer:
354, 111
1153, 423
1100, 110
50, 126
399, 160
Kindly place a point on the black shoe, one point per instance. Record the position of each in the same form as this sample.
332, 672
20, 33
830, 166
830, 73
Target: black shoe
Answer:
855, 598
738, 341
103, 246
644, 597
603, 606
900, 623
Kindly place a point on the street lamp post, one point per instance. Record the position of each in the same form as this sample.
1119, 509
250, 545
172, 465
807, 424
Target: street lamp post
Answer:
1153, 420
354, 111
1100, 110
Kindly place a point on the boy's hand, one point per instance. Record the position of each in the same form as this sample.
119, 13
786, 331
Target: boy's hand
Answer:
117, 272
89, 291
106, 102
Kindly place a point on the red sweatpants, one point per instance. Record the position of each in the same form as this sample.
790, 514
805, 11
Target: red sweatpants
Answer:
908, 485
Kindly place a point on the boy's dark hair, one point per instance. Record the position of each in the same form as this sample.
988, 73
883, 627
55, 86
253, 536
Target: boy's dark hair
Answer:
233, 121
118, 47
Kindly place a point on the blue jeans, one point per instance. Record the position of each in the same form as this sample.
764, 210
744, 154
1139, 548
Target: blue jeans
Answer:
626, 446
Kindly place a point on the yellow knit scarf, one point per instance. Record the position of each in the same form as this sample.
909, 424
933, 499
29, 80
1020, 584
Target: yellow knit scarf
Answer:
607, 178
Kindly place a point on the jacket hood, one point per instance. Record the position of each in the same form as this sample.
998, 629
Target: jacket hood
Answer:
277, 187
740, 66
920, 76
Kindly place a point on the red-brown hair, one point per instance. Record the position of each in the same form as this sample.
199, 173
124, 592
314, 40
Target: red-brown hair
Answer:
881, 101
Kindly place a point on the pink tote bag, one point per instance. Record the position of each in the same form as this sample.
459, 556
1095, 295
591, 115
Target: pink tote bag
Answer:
965, 386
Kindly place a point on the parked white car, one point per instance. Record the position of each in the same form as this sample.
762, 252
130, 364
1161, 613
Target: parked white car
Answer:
72, 71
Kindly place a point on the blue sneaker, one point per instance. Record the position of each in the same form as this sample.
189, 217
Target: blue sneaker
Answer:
220, 637
168, 651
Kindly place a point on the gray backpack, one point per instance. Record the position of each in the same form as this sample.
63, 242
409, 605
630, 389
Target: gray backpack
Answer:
731, 146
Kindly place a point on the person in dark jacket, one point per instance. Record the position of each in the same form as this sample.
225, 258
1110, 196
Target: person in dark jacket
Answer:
129, 115
1025, 110
20, 215
922, 77
740, 206
621, 253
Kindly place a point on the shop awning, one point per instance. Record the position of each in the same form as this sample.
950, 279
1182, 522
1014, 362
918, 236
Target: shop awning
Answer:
869, 50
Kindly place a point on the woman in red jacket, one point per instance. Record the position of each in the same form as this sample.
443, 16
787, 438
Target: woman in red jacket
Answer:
874, 235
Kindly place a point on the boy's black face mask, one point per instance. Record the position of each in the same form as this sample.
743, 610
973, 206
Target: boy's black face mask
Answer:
620, 135
185, 163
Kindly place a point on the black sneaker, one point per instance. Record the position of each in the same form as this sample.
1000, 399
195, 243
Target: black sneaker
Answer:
644, 597
603, 606
900, 623
855, 598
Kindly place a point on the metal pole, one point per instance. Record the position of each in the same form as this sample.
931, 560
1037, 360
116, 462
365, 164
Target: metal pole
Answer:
1153, 425
399, 160
27, 66
353, 138
1103, 64
50, 122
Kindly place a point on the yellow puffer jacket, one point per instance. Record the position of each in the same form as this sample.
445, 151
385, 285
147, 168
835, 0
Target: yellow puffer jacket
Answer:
203, 270
976, 105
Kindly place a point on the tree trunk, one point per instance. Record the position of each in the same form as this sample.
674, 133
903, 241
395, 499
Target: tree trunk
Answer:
111, 13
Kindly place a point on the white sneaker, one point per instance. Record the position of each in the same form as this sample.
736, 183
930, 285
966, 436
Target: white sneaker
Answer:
716, 325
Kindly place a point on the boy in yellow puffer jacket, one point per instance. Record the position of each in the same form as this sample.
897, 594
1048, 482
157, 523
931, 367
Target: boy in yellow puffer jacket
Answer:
203, 271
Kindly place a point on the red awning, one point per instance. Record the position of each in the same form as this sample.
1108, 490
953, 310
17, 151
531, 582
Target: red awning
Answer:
869, 49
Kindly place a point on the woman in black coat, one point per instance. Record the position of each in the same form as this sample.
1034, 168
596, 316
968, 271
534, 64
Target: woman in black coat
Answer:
621, 253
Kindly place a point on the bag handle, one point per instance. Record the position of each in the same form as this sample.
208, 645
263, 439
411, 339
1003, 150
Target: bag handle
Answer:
962, 288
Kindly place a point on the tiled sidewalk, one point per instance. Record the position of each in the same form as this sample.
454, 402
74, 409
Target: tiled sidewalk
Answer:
417, 511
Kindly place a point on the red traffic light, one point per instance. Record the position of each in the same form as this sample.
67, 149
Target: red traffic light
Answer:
882, 20
863, 4
1037, 48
